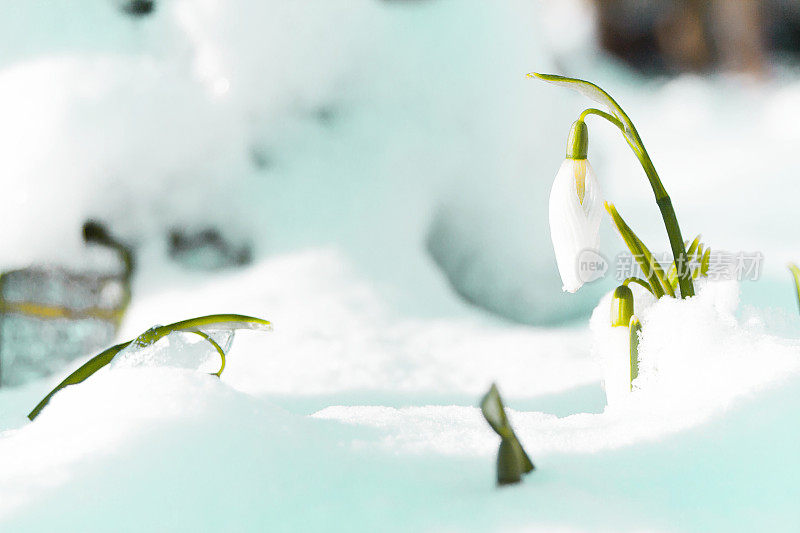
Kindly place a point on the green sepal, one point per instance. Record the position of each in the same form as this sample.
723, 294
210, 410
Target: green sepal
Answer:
578, 141
200, 326
635, 330
512, 461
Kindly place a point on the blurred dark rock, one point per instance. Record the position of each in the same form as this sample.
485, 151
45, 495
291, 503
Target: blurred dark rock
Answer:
207, 249
657, 36
138, 8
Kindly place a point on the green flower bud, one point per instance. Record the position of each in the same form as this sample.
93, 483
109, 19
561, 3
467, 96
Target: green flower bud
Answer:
621, 306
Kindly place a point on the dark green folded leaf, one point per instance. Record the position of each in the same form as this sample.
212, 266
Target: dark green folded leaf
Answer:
512, 461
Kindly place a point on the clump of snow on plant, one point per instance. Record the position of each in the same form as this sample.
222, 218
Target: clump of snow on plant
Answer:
697, 360
176, 350
695, 355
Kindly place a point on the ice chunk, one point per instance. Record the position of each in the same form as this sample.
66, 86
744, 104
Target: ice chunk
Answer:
180, 349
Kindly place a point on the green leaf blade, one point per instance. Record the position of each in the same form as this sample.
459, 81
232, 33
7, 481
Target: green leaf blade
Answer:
81, 374
596, 94
650, 267
199, 325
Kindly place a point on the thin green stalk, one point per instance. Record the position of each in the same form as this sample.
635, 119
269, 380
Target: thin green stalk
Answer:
616, 122
608, 116
676, 243
662, 200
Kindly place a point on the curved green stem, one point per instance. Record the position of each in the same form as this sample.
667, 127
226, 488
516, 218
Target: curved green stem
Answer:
217, 347
662, 198
640, 281
616, 122
608, 116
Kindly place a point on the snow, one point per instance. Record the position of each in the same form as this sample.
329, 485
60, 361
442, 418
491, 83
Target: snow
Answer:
381, 156
348, 410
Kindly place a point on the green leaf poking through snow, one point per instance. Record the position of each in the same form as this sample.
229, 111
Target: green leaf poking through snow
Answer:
204, 326
694, 262
796, 274
512, 461
650, 267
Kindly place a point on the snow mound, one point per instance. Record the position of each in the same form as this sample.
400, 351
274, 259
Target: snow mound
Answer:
347, 399
696, 355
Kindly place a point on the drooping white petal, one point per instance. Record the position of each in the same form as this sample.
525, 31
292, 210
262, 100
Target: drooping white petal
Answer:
576, 209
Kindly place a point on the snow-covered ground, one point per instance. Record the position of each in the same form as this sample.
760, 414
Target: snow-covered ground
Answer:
379, 155
348, 417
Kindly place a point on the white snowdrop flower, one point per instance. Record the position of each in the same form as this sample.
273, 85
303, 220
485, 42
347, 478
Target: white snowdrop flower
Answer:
576, 209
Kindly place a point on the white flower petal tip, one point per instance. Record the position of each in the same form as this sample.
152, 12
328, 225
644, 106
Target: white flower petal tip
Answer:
576, 210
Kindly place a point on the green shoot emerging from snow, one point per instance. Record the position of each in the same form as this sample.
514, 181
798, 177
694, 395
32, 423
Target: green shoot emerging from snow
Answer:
512, 461
796, 275
203, 326
622, 309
